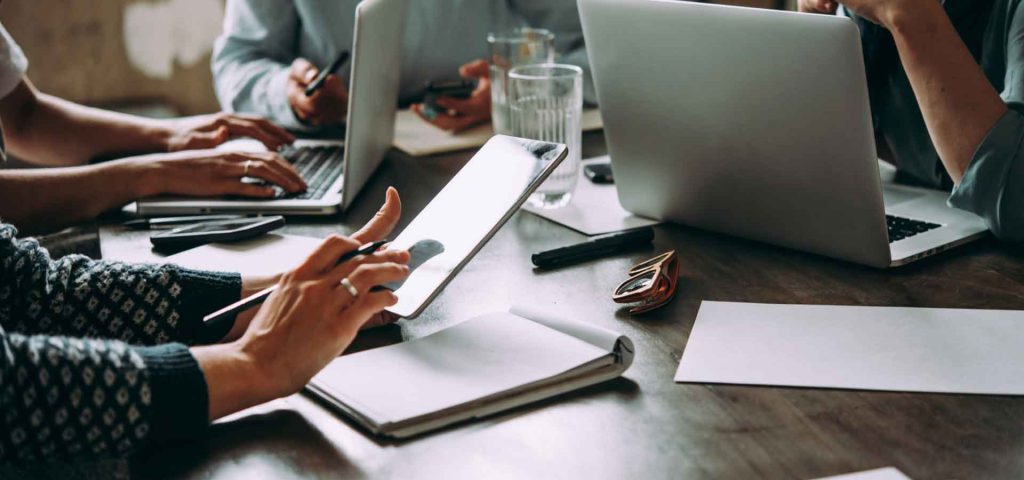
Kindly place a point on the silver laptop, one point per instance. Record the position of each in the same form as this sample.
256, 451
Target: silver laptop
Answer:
334, 170
755, 123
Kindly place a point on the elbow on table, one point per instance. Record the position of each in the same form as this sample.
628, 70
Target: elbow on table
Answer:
1007, 221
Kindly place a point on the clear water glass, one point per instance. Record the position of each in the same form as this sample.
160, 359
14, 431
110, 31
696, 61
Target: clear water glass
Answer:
546, 102
521, 46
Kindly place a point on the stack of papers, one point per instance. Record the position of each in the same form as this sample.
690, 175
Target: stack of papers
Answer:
416, 137
594, 209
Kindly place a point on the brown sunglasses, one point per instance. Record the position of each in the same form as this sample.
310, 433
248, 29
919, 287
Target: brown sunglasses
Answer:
652, 283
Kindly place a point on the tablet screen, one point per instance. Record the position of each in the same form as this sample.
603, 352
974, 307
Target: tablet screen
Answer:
468, 212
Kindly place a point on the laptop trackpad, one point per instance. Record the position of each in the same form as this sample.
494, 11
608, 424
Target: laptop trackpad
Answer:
894, 195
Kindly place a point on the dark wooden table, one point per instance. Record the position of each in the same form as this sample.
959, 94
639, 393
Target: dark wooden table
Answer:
643, 425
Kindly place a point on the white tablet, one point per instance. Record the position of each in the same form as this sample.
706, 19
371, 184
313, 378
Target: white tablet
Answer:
468, 212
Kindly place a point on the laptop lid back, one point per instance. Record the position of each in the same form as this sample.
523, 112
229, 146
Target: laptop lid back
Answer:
373, 91
750, 122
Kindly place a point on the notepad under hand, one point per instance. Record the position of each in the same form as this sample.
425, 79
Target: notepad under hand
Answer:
479, 367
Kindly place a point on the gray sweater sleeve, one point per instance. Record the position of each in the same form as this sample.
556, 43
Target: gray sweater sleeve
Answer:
81, 373
252, 58
993, 184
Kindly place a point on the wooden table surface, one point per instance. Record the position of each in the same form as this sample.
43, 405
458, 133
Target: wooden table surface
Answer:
642, 425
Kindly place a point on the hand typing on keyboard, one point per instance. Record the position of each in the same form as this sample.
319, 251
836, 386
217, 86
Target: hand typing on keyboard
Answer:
217, 173
319, 165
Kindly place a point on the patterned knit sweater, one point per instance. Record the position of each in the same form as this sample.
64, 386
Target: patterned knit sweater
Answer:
93, 356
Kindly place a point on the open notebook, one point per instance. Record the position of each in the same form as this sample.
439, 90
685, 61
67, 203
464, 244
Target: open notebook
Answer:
482, 366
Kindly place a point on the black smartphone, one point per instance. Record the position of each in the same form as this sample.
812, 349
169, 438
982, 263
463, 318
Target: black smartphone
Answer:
217, 231
599, 172
458, 88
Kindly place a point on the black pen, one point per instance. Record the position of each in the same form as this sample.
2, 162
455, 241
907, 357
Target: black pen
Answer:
322, 76
219, 323
168, 222
594, 248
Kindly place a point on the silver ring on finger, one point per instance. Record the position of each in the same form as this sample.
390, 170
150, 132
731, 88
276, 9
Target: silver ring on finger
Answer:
351, 288
247, 165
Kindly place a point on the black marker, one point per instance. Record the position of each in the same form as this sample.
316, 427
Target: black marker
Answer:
219, 323
319, 80
596, 247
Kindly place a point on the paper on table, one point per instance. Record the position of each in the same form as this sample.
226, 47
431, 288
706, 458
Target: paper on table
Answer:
887, 473
594, 209
477, 358
266, 255
416, 137
869, 348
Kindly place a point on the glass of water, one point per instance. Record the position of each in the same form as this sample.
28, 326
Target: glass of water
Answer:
520, 46
546, 102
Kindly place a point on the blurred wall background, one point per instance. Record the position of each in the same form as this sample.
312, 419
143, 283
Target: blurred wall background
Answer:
128, 53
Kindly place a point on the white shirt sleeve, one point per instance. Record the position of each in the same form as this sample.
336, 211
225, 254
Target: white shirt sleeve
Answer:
13, 63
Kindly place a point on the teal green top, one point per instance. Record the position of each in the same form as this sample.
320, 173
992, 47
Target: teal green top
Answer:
993, 185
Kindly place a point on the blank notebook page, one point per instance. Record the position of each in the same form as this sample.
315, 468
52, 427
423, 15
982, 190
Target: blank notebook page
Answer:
480, 357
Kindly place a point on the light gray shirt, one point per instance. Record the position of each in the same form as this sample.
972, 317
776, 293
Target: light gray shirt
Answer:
13, 65
262, 37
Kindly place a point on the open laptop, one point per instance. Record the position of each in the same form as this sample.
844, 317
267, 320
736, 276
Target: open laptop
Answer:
334, 170
755, 123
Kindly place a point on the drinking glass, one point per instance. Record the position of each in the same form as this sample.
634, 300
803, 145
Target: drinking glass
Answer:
546, 102
520, 46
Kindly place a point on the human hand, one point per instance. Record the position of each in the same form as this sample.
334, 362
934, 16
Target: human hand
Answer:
818, 6
329, 105
311, 318
208, 131
887, 12
216, 173
462, 113
378, 228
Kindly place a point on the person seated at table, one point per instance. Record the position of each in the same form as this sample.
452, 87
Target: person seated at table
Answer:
99, 358
946, 81
271, 49
46, 131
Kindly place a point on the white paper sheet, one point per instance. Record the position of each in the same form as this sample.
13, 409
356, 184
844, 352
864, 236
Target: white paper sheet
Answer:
887, 473
594, 209
266, 255
417, 138
477, 358
869, 348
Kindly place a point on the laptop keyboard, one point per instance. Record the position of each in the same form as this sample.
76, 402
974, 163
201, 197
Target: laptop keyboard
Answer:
319, 166
901, 228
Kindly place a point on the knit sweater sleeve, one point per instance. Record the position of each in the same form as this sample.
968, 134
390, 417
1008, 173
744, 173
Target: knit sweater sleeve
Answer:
71, 398
76, 296
81, 374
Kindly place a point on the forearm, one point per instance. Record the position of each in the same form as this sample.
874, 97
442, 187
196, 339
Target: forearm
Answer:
234, 382
251, 58
45, 130
38, 200
958, 103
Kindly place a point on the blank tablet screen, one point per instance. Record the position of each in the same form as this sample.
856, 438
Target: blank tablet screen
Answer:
468, 212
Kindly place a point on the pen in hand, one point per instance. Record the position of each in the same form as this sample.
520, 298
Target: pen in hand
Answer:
321, 77
212, 323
